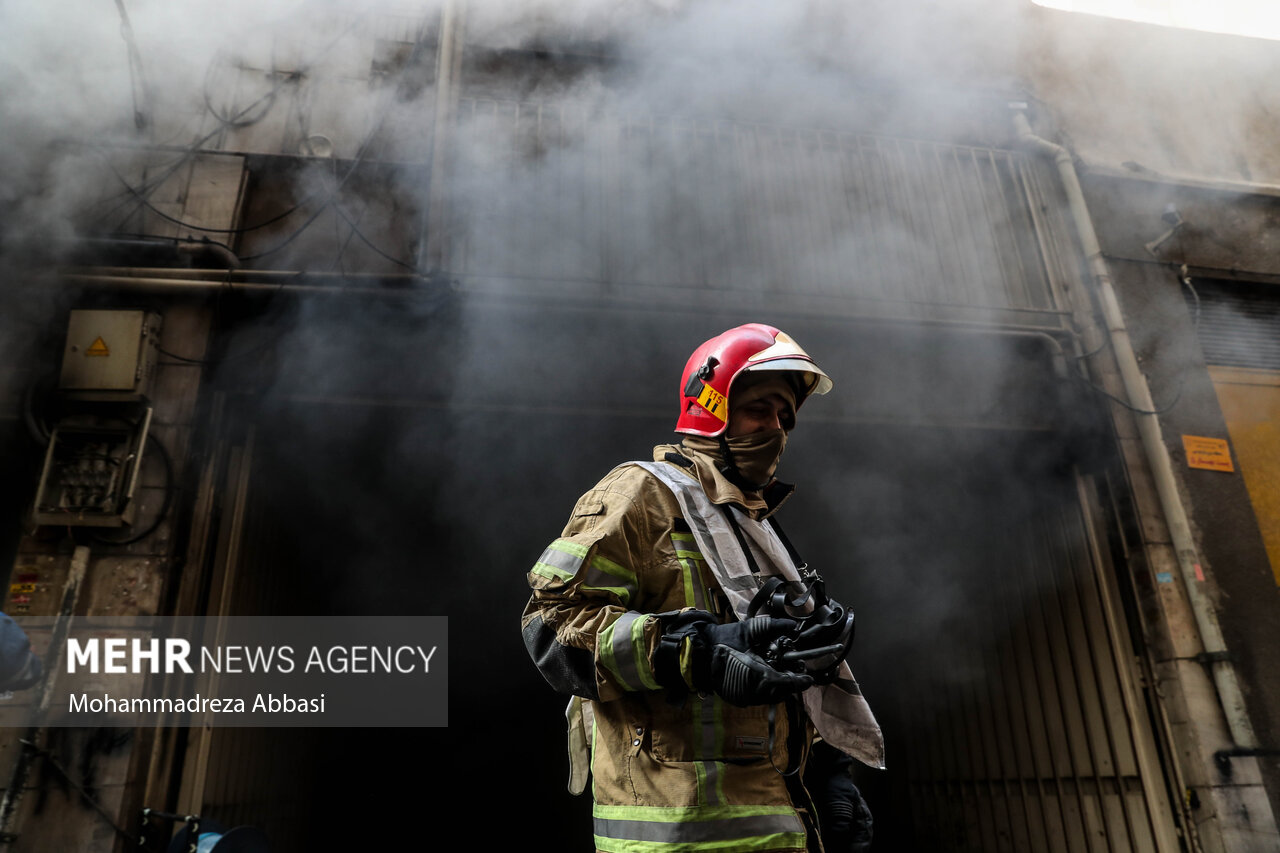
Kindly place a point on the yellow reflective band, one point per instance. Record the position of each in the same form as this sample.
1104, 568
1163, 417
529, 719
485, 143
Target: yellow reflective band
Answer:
686, 662
623, 594
690, 576
570, 547
625, 655
641, 652
603, 574
706, 745
700, 770
560, 561
714, 402
728, 829
609, 645
604, 564
551, 573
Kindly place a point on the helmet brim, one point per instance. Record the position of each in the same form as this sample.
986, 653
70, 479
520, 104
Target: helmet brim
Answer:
816, 380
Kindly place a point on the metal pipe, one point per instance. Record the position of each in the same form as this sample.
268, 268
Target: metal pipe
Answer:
1139, 394
160, 285
432, 246
220, 276
146, 279
1191, 181
209, 247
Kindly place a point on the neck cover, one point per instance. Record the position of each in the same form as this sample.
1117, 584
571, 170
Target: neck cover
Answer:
747, 461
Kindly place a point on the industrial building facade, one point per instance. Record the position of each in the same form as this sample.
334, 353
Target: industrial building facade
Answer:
401, 289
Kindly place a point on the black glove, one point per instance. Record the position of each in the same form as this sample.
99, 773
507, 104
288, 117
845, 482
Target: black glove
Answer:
744, 678
844, 821
727, 659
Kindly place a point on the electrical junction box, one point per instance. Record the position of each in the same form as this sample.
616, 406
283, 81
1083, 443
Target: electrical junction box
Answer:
109, 355
103, 416
91, 470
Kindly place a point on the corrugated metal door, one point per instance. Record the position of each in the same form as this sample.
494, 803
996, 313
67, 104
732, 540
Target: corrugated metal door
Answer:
1034, 737
251, 776
637, 202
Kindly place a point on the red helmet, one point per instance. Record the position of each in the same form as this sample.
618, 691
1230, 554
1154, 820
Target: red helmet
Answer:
704, 387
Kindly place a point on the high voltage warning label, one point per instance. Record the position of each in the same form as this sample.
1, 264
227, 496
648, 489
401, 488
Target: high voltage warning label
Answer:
1211, 454
98, 347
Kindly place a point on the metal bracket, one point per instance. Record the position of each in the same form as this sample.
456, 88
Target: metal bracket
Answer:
1214, 657
192, 827
1223, 756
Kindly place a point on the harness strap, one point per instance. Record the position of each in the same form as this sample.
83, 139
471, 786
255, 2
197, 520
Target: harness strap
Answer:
742, 540
799, 563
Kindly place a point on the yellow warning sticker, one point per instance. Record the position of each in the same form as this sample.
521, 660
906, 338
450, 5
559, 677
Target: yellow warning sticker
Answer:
1211, 454
20, 588
714, 402
98, 347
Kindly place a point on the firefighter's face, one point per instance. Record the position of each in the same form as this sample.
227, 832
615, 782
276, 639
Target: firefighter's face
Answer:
772, 411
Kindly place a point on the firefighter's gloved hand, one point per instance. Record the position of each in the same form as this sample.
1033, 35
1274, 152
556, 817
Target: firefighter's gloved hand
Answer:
728, 660
744, 678
844, 820
754, 634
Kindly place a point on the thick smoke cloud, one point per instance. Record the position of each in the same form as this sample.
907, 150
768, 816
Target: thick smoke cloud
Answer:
409, 430
690, 203
78, 75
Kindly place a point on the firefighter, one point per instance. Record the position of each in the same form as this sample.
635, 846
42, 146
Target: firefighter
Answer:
705, 663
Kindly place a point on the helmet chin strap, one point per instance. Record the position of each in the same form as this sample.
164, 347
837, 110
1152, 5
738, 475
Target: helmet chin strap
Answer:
730, 468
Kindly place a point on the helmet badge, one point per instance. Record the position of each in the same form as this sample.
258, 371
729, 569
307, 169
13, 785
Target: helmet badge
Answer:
708, 398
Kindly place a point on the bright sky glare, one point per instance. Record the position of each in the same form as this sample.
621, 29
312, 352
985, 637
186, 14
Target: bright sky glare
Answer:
1257, 18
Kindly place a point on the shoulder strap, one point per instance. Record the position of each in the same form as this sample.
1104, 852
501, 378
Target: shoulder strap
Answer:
800, 564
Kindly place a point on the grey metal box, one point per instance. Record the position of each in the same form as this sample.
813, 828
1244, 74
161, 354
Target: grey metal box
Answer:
110, 351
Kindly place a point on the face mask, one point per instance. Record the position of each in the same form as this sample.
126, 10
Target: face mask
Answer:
756, 455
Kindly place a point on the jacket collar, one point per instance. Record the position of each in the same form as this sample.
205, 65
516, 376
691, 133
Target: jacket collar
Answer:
759, 505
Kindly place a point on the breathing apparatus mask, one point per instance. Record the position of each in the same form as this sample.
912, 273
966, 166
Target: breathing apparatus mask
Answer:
824, 633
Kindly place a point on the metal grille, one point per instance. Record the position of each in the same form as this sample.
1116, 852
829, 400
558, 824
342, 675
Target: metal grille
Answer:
1030, 743
546, 192
1238, 323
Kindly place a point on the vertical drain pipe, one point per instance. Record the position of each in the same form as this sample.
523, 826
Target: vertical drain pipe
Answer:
1139, 394
433, 243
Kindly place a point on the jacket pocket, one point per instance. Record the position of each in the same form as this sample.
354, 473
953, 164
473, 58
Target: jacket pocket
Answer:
713, 730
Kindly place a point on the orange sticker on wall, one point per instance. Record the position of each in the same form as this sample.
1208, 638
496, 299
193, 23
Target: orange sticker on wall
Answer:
1211, 454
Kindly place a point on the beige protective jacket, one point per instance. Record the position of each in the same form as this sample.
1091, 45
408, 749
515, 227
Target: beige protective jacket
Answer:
699, 775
